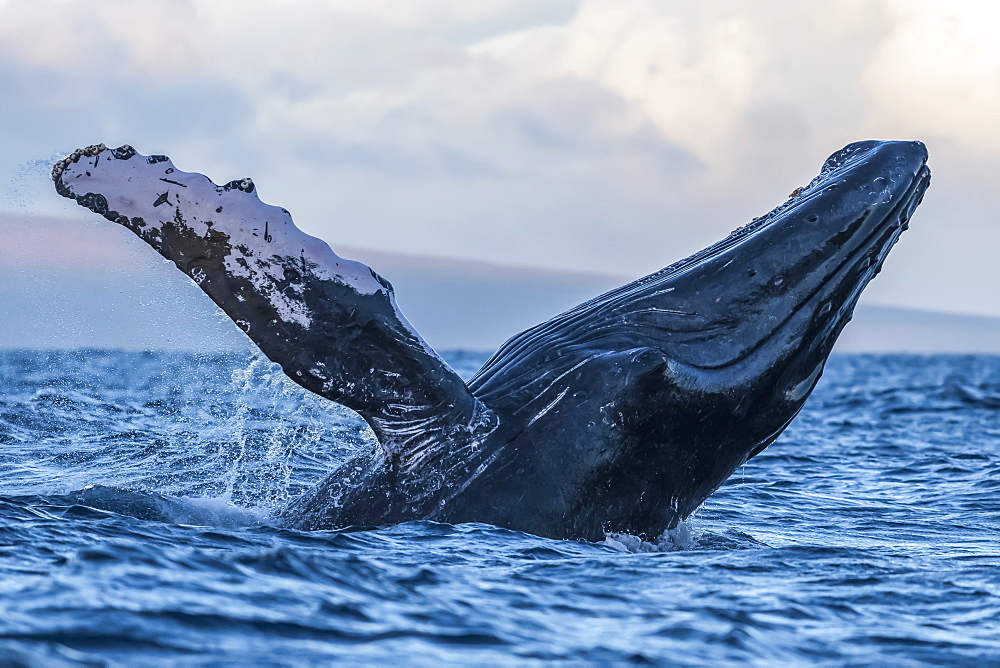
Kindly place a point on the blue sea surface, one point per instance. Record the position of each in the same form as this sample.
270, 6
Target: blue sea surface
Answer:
139, 491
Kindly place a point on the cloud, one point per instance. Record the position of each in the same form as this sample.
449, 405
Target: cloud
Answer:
651, 58
937, 72
603, 135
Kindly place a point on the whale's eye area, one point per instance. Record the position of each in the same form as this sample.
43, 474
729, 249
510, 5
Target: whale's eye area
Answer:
778, 280
812, 219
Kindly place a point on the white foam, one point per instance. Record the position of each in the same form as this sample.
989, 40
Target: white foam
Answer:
679, 538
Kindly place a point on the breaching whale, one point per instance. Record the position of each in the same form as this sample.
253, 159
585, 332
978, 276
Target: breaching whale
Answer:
623, 414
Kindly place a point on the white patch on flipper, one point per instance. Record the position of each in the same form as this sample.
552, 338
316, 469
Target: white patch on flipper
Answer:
261, 234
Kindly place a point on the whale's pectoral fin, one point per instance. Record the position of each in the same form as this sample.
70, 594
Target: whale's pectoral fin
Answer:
332, 324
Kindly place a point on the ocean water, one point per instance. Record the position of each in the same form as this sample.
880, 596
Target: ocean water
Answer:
138, 494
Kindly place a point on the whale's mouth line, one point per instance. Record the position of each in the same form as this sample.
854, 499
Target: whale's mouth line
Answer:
850, 260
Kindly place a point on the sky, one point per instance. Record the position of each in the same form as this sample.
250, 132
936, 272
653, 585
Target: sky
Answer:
606, 136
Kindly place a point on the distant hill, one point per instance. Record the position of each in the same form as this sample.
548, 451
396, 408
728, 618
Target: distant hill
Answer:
457, 303
89, 284
890, 329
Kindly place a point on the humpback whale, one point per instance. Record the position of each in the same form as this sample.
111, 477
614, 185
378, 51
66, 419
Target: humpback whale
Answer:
620, 415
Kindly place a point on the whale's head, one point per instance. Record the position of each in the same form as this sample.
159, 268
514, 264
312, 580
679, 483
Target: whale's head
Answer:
771, 296
683, 375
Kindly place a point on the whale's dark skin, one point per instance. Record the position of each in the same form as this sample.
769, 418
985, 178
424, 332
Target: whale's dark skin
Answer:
622, 414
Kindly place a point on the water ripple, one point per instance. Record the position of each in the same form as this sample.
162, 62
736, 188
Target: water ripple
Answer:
140, 491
